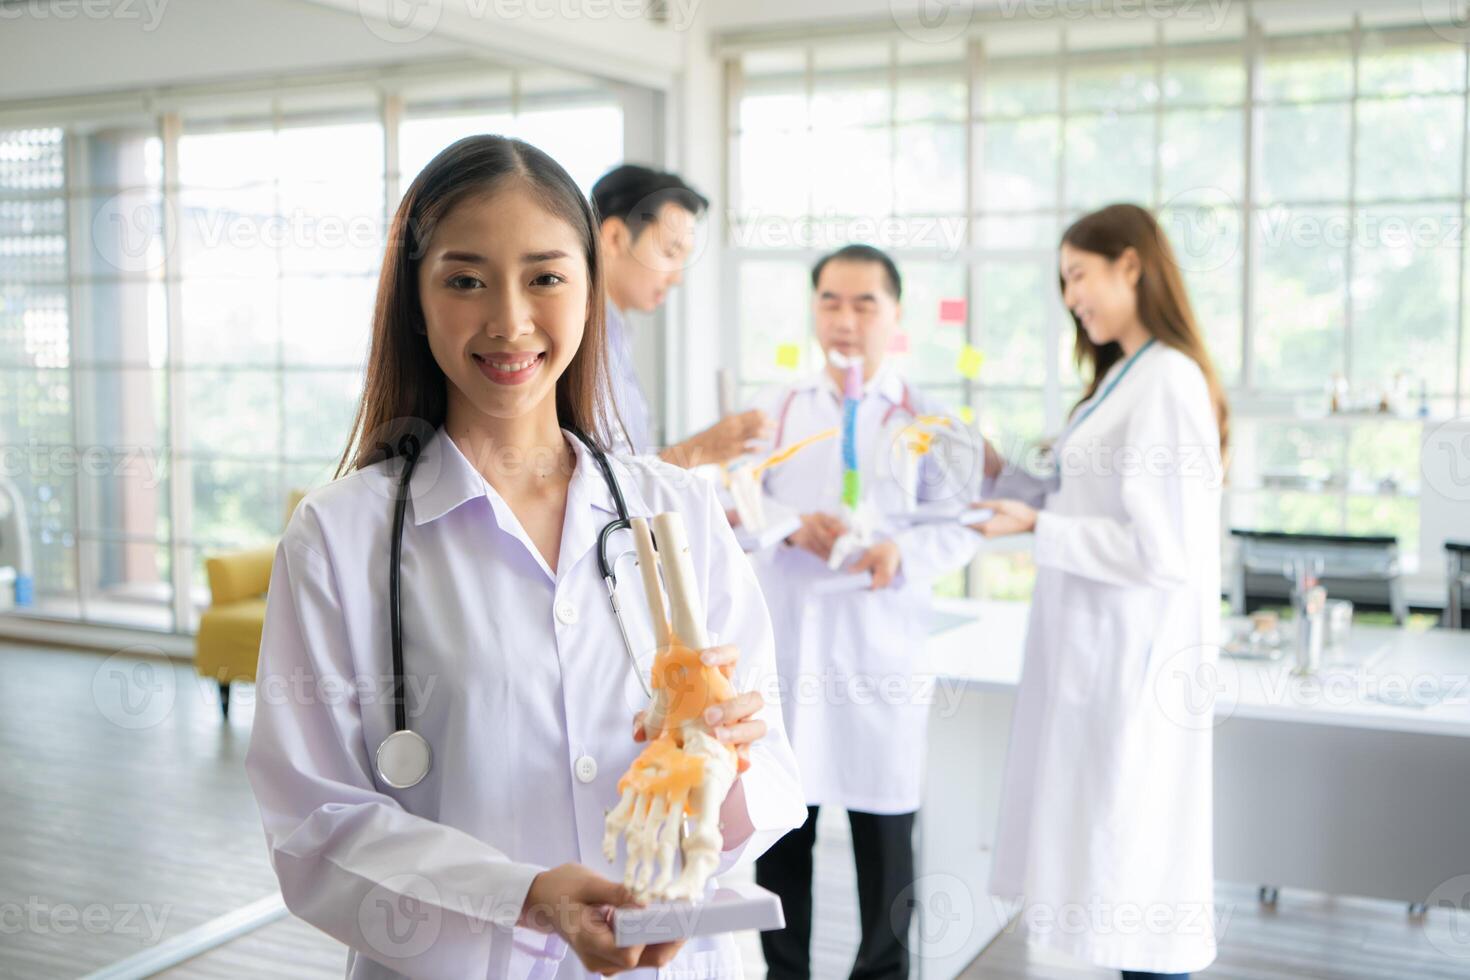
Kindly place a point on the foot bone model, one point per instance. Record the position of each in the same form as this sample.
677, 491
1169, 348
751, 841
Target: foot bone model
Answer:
685, 771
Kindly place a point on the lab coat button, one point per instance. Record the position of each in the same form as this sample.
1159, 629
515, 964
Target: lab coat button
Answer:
586, 769
566, 612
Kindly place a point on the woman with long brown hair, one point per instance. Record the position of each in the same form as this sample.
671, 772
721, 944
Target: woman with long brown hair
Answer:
454, 705
1105, 836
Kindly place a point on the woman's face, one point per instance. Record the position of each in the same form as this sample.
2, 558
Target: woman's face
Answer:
1101, 292
504, 287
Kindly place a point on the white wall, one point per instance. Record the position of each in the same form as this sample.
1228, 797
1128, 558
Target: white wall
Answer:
749, 15
184, 42
698, 343
99, 47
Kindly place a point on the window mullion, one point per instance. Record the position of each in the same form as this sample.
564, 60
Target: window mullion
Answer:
1349, 259
1252, 43
1460, 344
74, 189
181, 468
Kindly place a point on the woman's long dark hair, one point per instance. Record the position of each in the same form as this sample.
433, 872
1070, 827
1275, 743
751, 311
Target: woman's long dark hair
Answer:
404, 396
1163, 303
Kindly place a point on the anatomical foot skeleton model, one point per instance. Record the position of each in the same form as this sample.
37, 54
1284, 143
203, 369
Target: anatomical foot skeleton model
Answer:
684, 770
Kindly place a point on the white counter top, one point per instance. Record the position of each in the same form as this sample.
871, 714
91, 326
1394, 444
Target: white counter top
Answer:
977, 642
1378, 682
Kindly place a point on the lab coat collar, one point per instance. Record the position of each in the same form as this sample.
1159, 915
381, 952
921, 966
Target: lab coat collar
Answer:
443, 479
593, 488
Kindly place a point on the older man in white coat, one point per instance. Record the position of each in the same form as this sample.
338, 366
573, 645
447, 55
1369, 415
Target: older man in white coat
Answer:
855, 711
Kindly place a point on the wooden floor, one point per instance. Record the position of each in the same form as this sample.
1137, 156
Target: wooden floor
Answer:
1305, 935
127, 820
126, 812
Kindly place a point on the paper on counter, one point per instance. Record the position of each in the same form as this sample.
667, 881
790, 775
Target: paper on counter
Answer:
772, 534
946, 515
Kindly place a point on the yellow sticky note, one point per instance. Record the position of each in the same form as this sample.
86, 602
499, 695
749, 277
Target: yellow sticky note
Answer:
788, 355
967, 415
969, 362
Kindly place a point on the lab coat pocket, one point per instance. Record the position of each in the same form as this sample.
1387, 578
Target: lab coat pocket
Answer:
867, 631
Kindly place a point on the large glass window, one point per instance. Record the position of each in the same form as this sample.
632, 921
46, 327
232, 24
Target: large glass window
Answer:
184, 348
280, 240
577, 121
36, 325
1307, 166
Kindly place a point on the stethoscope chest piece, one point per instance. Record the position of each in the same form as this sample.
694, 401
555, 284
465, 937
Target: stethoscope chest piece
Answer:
403, 759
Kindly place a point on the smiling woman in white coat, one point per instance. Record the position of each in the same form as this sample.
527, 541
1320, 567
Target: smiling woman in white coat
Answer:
1105, 837
487, 348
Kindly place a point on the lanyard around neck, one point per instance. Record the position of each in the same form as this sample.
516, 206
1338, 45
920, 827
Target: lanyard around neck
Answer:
1091, 406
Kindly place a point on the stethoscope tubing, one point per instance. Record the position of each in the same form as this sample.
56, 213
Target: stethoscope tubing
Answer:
410, 454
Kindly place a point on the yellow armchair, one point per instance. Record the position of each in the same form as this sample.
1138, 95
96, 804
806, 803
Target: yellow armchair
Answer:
227, 645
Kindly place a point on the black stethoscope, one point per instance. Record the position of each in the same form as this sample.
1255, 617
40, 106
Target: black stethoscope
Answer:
403, 758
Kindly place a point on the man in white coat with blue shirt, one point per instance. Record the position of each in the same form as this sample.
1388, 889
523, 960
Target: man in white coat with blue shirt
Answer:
855, 710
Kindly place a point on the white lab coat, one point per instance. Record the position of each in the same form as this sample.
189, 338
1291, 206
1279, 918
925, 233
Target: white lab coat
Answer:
1106, 804
517, 678
855, 710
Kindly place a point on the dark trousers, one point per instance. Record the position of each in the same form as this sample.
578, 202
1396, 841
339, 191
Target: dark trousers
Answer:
1141, 975
883, 850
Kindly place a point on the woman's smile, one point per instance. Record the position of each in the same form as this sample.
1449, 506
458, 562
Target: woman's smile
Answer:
510, 367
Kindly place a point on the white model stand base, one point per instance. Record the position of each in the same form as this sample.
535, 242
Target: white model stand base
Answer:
730, 909
769, 536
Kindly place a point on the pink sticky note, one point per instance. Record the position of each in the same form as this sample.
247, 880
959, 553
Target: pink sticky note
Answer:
898, 343
951, 311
